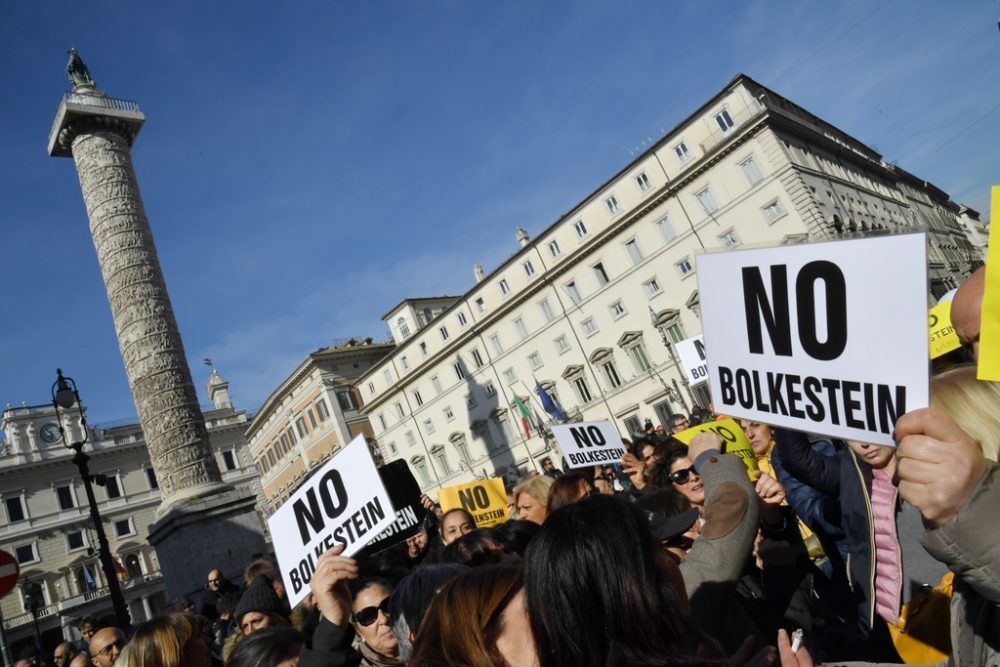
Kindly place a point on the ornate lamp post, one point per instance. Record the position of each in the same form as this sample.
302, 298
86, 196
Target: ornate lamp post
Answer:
65, 396
674, 394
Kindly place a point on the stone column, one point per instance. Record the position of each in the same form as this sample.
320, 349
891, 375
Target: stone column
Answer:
147, 608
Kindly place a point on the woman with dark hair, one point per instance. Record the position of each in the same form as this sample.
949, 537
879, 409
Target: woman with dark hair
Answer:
480, 547
675, 470
477, 620
516, 535
274, 647
568, 489
455, 523
601, 592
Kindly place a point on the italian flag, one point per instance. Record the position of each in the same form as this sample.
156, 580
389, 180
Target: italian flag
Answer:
525, 416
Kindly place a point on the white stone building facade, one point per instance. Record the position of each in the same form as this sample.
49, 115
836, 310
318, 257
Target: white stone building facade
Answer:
592, 305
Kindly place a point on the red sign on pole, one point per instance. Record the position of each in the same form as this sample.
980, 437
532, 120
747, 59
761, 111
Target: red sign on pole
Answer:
9, 572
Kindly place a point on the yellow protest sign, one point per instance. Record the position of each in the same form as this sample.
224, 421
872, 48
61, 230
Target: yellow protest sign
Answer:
943, 338
989, 325
485, 500
734, 439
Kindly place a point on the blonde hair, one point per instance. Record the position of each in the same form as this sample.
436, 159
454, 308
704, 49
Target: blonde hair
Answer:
161, 641
973, 404
537, 487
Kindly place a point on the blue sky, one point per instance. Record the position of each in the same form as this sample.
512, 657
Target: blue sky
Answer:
306, 165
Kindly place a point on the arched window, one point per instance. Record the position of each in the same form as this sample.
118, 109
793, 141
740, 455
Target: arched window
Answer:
404, 328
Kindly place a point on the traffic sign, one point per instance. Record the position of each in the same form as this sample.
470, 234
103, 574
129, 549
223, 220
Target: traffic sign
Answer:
9, 572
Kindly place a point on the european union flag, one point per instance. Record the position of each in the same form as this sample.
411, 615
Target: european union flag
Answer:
549, 404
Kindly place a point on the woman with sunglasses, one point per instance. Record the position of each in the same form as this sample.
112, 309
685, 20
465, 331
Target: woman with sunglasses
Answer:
366, 610
676, 471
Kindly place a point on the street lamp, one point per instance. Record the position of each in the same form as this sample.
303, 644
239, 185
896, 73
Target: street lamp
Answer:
65, 396
676, 394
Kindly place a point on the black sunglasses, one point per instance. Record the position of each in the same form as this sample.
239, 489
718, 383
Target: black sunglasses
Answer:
681, 476
369, 615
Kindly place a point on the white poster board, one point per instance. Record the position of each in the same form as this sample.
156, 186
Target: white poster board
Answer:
344, 502
692, 354
589, 443
825, 337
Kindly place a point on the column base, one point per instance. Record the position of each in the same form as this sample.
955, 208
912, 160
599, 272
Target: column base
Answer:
220, 530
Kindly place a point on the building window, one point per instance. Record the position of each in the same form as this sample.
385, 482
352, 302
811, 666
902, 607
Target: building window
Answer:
773, 210
404, 362
15, 509
666, 228
65, 497
371, 387
124, 528
25, 554
730, 239
611, 373
707, 200
423, 349
462, 319
477, 358
522, 331
420, 465
506, 432
441, 457
724, 120
634, 251
428, 426
428, 315
639, 358
547, 310
151, 479
554, 248
404, 328
581, 229
399, 409
633, 426
589, 326
300, 426
642, 180
612, 204
411, 439
529, 268
490, 389
751, 171
322, 410
444, 333
345, 399
417, 398
291, 434
602, 275
381, 421
459, 370
470, 401
449, 414
504, 287
582, 390
436, 383
617, 309
481, 430
509, 376
75, 540
572, 292
682, 152
652, 287
495, 342
562, 344
392, 449
684, 267
535, 360
112, 487
462, 447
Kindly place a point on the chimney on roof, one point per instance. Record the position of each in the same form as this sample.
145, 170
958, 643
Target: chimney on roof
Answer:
478, 270
522, 236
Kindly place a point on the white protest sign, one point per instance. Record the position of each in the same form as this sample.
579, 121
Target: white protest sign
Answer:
343, 502
692, 354
826, 337
589, 443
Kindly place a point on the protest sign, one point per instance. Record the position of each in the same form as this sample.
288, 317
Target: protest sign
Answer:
589, 443
343, 502
692, 354
826, 337
989, 323
734, 440
404, 493
485, 500
943, 338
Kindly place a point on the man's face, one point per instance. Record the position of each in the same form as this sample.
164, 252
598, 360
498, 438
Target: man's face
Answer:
966, 310
214, 580
105, 646
62, 655
758, 434
547, 465
680, 424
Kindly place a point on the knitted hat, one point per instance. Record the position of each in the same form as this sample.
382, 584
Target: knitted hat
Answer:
260, 597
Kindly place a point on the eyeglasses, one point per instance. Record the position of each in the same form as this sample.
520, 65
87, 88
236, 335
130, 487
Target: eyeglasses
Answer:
215, 581
369, 615
682, 476
109, 649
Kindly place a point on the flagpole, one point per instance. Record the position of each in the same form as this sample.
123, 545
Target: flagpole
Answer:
531, 394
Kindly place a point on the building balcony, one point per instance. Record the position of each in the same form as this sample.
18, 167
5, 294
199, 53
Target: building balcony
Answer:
741, 117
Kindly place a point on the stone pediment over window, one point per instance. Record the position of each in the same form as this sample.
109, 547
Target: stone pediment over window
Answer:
573, 371
548, 386
437, 450
457, 436
601, 354
498, 413
693, 301
417, 460
478, 425
629, 337
667, 318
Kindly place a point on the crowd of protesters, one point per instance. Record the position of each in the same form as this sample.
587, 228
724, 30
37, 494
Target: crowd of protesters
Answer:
674, 556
